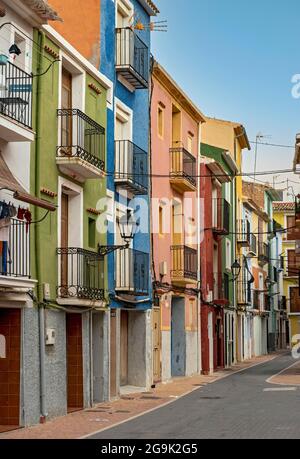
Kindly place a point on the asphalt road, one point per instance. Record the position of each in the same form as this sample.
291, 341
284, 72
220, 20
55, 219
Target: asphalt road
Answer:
232, 408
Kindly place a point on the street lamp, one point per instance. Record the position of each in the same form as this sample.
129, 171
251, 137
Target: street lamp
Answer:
235, 270
128, 228
268, 283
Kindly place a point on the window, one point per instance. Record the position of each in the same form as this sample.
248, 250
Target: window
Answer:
228, 192
294, 300
228, 255
92, 233
2, 347
192, 314
190, 142
161, 220
293, 233
160, 120
292, 263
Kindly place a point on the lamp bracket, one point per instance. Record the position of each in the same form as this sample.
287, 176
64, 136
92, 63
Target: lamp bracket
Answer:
104, 250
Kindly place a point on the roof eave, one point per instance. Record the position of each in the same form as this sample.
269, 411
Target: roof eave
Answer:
150, 7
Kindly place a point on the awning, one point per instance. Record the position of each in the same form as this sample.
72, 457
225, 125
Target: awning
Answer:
218, 171
10, 183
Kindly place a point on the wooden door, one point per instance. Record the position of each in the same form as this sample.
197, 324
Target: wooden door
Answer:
10, 361
294, 300
292, 263
66, 104
64, 238
156, 330
113, 353
124, 348
74, 362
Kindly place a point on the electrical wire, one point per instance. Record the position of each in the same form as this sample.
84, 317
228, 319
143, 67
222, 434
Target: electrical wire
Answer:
240, 174
267, 144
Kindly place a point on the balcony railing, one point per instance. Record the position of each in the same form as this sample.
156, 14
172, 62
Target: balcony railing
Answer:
267, 302
253, 244
263, 253
244, 234
131, 167
184, 264
221, 287
256, 300
132, 58
132, 272
15, 253
16, 94
220, 216
283, 303
81, 137
183, 169
81, 274
243, 293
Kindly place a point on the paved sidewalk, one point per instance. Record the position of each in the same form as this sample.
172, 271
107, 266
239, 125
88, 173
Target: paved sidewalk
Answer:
289, 377
106, 415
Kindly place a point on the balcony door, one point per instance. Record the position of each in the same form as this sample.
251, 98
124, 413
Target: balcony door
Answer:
64, 237
124, 263
123, 160
66, 104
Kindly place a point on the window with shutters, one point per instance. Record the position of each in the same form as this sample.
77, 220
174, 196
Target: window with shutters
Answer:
292, 263
293, 233
294, 300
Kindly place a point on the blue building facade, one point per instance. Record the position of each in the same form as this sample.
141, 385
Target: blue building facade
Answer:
125, 60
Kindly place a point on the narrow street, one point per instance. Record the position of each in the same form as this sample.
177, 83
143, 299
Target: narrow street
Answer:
243, 405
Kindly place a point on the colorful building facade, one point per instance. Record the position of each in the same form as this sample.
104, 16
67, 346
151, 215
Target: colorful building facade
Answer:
125, 59
284, 215
175, 122
232, 139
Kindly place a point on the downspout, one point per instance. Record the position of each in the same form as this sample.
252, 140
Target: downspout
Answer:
37, 242
199, 232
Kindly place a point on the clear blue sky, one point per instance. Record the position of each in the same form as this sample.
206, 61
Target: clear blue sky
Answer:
236, 59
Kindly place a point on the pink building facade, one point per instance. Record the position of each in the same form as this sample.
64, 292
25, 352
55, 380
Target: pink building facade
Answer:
175, 218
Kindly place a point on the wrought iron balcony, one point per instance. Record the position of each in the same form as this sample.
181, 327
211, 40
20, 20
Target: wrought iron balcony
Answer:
256, 300
220, 216
15, 253
253, 244
244, 234
267, 302
81, 152
221, 288
184, 265
132, 58
243, 293
131, 167
183, 170
132, 272
81, 275
283, 303
16, 94
263, 253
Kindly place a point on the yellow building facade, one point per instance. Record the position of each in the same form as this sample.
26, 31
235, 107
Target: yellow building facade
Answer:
284, 214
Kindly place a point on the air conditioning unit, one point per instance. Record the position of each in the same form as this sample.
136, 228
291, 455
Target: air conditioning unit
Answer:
163, 268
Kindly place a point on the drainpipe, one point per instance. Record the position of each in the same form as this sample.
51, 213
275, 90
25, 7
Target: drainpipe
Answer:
199, 251
37, 242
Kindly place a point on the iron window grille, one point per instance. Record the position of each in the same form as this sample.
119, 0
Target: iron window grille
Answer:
81, 274
131, 167
132, 272
81, 137
132, 58
183, 165
184, 262
16, 94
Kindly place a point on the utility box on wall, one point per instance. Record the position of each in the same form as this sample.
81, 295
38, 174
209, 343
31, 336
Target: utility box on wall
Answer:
50, 337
